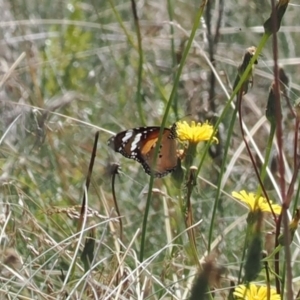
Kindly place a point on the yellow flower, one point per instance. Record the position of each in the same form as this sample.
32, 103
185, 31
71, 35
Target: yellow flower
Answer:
254, 292
195, 133
255, 203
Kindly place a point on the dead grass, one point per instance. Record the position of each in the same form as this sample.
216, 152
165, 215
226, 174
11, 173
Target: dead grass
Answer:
71, 69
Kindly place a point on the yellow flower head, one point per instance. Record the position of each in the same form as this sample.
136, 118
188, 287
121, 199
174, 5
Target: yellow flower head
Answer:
255, 203
194, 133
254, 292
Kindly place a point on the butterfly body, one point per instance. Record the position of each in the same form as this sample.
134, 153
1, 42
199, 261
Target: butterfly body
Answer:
140, 143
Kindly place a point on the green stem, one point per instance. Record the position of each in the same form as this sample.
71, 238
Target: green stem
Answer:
174, 60
243, 77
171, 100
189, 157
223, 167
244, 253
140, 68
263, 171
234, 93
140, 52
120, 21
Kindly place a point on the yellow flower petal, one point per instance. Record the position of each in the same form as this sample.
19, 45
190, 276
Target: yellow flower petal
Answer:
255, 203
254, 292
195, 133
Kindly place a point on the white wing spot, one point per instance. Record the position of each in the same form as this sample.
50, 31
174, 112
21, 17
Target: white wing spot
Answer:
135, 142
127, 136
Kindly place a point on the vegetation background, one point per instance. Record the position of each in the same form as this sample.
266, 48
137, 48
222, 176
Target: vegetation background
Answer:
71, 68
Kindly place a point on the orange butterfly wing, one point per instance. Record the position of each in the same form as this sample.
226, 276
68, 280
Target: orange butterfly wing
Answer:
166, 160
139, 144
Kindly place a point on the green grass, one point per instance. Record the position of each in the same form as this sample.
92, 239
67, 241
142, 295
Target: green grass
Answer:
70, 69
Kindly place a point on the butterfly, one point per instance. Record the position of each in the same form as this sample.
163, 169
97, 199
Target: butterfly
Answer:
139, 144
